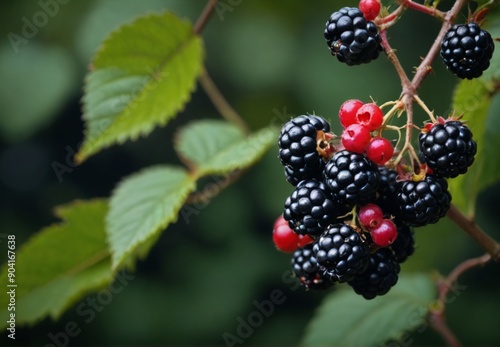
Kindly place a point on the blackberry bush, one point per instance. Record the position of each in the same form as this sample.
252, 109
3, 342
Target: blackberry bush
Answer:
143, 76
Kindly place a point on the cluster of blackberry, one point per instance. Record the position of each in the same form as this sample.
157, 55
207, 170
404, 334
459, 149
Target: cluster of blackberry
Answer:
350, 219
351, 214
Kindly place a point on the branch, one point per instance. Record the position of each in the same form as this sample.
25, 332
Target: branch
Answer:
437, 314
438, 322
204, 16
474, 231
220, 102
446, 284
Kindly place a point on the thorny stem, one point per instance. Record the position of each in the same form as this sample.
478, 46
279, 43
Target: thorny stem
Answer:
425, 108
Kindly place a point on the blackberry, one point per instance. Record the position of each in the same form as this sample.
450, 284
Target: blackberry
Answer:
423, 202
298, 148
306, 268
448, 148
351, 38
310, 208
404, 245
386, 193
341, 252
466, 50
380, 276
351, 178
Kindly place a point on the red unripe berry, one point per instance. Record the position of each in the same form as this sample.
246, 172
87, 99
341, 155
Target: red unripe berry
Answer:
370, 116
355, 138
379, 150
285, 239
370, 8
370, 216
385, 233
347, 112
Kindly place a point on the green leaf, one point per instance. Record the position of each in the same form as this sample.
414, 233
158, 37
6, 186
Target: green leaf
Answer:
473, 100
143, 75
218, 147
347, 319
60, 264
35, 84
142, 206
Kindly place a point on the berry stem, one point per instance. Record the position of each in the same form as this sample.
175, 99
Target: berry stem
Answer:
425, 108
474, 231
431, 11
396, 106
390, 19
206, 82
220, 102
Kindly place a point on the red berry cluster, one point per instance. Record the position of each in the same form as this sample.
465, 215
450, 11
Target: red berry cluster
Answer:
383, 231
359, 120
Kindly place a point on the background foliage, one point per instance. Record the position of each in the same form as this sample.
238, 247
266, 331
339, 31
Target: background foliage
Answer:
271, 63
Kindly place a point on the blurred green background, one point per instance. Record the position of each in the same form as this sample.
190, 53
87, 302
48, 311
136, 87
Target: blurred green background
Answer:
271, 62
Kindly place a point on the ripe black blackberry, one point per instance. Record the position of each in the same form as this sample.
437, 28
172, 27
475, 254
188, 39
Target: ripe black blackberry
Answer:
466, 50
341, 252
298, 148
448, 148
387, 191
379, 277
351, 178
423, 202
307, 270
310, 208
404, 245
351, 38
